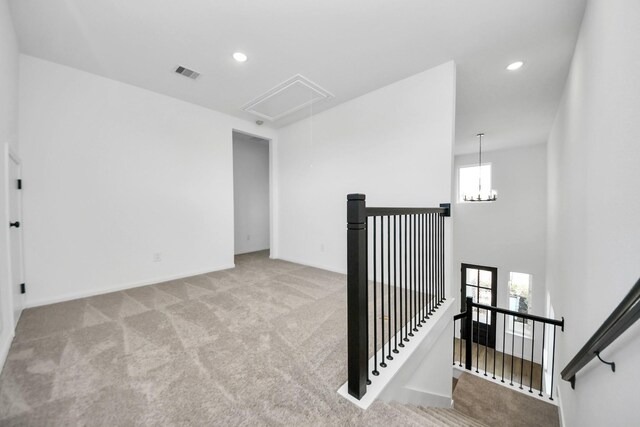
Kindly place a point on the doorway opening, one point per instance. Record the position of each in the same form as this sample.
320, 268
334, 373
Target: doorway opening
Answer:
251, 193
480, 283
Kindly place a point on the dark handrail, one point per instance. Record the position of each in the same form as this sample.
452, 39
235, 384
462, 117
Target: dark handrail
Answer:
472, 334
406, 211
519, 314
627, 312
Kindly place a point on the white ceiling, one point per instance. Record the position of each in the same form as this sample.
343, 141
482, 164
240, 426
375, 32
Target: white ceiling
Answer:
347, 47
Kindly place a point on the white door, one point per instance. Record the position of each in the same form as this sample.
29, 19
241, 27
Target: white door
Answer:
15, 236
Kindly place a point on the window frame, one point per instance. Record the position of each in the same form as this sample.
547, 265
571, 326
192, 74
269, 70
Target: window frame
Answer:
518, 326
459, 196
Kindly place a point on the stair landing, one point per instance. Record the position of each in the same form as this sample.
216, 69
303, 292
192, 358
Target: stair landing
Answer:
495, 405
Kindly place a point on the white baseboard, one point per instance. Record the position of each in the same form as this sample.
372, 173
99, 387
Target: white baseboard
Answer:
121, 287
307, 264
5, 346
560, 411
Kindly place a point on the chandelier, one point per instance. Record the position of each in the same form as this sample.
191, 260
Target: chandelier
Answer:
489, 196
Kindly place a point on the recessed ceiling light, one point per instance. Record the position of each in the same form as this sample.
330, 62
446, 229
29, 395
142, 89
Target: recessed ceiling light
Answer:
240, 57
515, 66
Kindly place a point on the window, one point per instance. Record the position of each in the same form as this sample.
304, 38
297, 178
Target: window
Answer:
468, 178
520, 299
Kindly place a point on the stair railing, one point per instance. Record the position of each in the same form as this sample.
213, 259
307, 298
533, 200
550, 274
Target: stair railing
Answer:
515, 360
402, 250
625, 315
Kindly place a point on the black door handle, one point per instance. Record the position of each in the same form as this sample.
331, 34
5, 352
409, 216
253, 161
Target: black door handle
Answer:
15, 224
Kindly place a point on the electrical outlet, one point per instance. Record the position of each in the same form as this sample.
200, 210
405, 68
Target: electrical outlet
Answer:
248, 237
157, 257
322, 247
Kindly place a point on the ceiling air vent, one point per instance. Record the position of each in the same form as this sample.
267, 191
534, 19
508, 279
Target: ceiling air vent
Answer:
289, 96
187, 72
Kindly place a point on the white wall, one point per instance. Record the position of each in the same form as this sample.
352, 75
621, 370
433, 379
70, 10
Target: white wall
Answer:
115, 175
594, 210
8, 135
250, 193
510, 233
393, 144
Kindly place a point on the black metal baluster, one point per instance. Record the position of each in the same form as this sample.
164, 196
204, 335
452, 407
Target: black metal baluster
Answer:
454, 343
439, 220
436, 244
420, 271
367, 294
389, 356
533, 345
382, 362
553, 362
406, 279
411, 274
544, 330
513, 341
375, 299
395, 287
477, 341
434, 284
425, 257
493, 377
436, 249
415, 274
442, 266
403, 283
504, 335
430, 263
522, 355
486, 341
460, 346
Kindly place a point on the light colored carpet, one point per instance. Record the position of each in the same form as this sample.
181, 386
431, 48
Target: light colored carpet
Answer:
261, 344
496, 405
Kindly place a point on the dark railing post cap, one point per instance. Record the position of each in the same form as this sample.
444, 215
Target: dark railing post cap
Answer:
356, 196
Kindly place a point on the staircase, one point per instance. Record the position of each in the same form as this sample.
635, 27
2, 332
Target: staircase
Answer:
477, 403
437, 417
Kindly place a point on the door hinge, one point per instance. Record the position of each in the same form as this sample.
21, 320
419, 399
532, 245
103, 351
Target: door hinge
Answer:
23, 288
19, 184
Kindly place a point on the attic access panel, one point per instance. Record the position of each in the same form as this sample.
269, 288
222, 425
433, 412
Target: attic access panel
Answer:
288, 97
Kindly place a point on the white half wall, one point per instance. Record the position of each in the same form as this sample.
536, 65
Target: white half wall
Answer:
8, 136
393, 144
123, 186
250, 193
510, 233
593, 256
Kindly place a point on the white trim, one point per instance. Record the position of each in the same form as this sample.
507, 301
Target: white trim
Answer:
306, 264
379, 383
560, 408
131, 285
273, 191
457, 184
12, 156
298, 78
515, 387
4, 348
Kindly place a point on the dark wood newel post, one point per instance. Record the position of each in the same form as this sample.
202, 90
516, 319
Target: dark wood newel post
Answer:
357, 334
468, 327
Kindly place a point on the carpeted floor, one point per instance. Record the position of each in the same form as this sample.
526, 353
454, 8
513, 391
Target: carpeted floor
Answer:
261, 344
507, 407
